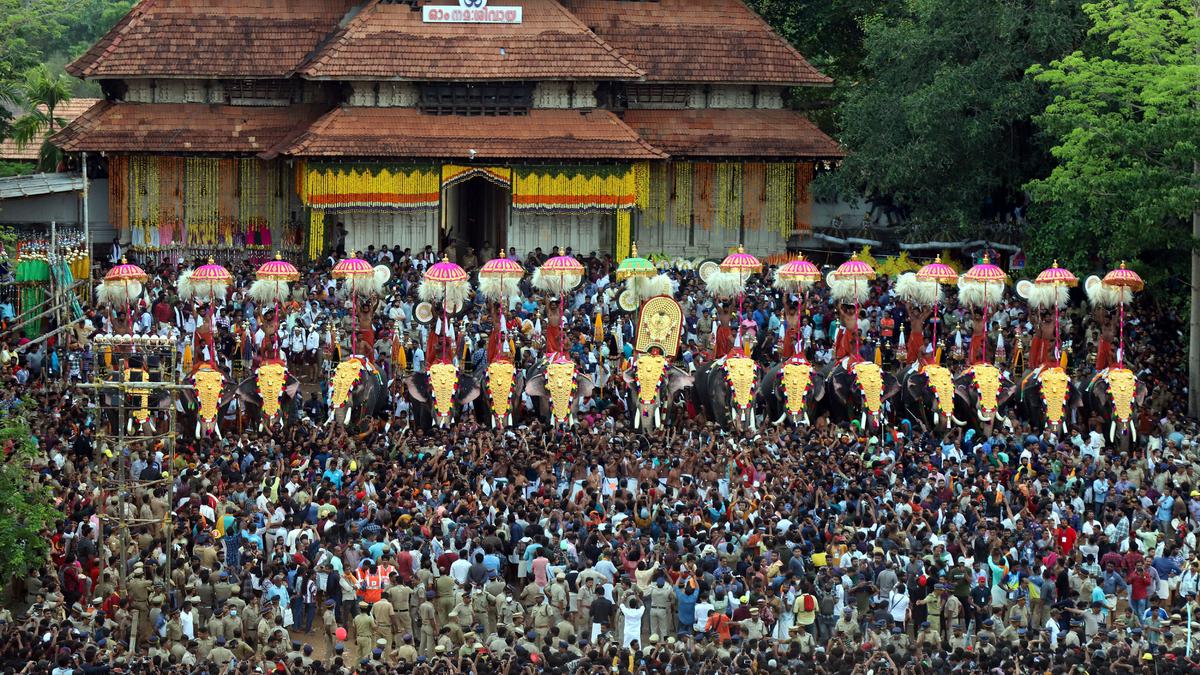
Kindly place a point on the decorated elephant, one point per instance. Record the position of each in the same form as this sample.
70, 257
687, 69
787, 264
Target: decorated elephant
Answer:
203, 404
727, 391
145, 409
652, 385
981, 396
356, 392
262, 409
1114, 395
927, 395
501, 385
557, 389
1048, 398
441, 395
792, 390
858, 392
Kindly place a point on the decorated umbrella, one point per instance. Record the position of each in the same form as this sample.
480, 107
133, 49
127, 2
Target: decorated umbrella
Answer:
940, 273
1057, 278
797, 275
271, 284
445, 283
498, 279
742, 265
985, 274
634, 266
1127, 282
854, 270
210, 281
358, 274
559, 275
121, 285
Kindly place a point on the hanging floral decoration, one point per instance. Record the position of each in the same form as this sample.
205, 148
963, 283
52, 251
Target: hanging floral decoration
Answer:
624, 234
501, 380
987, 382
1122, 388
641, 184
681, 197
316, 234
869, 377
741, 373
366, 186
575, 188
453, 174
1056, 390
941, 383
779, 210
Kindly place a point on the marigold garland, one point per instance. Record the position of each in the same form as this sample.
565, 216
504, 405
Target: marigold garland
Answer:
316, 234
373, 187
624, 233
682, 196
574, 189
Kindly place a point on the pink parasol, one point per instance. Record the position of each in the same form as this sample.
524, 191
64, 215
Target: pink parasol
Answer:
854, 270
126, 271
1125, 278
445, 272
212, 273
799, 271
1057, 276
985, 273
278, 270
351, 268
741, 262
501, 267
562, 264
938, 271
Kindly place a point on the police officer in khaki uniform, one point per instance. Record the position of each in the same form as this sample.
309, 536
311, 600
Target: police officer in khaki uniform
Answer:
400, 596
928, 637
802, 639
364, 631
382, 613
661, 598
429, 624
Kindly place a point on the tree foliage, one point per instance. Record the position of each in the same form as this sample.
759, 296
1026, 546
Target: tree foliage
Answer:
42, 94
1125, 120
26, 509
941, 124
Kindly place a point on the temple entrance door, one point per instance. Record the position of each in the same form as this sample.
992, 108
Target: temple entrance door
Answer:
476, 216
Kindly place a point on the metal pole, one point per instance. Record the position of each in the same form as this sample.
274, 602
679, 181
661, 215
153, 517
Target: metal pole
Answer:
87, 231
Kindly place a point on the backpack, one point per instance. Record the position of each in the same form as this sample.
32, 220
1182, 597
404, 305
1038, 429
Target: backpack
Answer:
809, 603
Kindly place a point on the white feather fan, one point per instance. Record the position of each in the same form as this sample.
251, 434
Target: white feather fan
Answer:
977, 294
117, 293
792, 285
1100, 293
183, 286
372, 285
1042, 297
917, 292
725, 285
555, 282
496, 289
847, 292
645, 288
268, 291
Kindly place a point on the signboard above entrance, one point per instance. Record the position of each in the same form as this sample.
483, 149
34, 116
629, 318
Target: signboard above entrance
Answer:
471, 11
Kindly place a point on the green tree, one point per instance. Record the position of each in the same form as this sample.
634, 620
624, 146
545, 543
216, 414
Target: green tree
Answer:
1126, 123
941, 125
26, 509
42, 94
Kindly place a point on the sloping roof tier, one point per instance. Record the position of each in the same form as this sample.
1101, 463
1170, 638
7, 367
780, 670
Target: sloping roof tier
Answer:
732, 133
406, 132
66, 112
185, 128
212, 38
697, 41
389, 40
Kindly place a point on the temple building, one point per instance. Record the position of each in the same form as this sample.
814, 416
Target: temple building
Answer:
263, 124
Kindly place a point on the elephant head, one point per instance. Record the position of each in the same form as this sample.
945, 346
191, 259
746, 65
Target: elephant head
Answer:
859, 392
268, 394
1114, 395
356, 390
727, 389
652, 385
927, 393
792, 390
503, 383
981, 393
208, 398
557, 389
441, 394
1049, 398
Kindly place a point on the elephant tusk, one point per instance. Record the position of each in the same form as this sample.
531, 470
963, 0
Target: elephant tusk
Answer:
1133, 431
781, 419
510, 418
806, 420
986, 416
753, 424
961, 423
1112, 431
349, 413
217, 431
936, 418
864, 420
657, 417
637, 419
197, 428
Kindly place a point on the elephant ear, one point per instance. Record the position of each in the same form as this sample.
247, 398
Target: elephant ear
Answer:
1007, 389
678, 382
819, 387
469, 390
535, 386
292, 388
412, 385
585, 385
891, 386
961, 393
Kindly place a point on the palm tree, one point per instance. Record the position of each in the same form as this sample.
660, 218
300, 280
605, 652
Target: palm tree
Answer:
42, 94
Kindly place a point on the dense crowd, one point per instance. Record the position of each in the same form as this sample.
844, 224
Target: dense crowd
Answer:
602, 548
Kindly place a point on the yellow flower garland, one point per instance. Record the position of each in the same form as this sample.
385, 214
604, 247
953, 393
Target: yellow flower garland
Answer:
353, 186
624, 233
683, 194
316, 234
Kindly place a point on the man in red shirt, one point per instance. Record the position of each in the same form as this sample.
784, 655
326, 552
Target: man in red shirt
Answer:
1065, 535
1140, 582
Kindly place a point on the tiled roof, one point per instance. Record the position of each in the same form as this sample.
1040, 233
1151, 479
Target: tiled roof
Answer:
406, 132
212, 38
33, 185
185, 128
390, 40
732, 133
697, 41
65, 111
